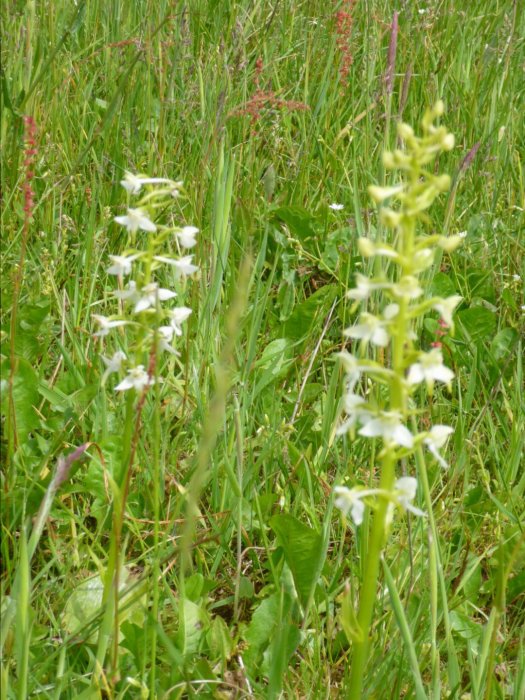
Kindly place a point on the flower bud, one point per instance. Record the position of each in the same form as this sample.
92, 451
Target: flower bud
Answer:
366, 247
423, 259
405, 131
439, 108
389, 217
389, 160
378, 194
448, 142
449, 243
443, 182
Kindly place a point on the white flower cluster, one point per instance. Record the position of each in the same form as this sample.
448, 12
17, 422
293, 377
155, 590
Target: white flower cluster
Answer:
140, 300
410, 254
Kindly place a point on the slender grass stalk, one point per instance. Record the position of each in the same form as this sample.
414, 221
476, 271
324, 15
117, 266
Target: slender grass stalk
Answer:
215, 416
240, 470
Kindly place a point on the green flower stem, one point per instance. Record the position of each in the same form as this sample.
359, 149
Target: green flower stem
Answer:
158, 479
380, 524
369, 586
111, 578
412, 256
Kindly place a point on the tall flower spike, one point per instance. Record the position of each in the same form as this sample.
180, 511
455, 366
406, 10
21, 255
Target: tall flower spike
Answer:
141, 302
391, 376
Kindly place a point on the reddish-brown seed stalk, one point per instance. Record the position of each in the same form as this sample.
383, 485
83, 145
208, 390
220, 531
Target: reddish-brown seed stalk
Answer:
343, 34
30, 152
264, 100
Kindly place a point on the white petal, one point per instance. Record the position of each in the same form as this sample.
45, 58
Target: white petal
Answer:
357, 512
143, 304
343, 499
390, 311
124, 385
443, 374
165, 294
408, 487
380, 337
147, 225
402, 436
414, 510
415, 374
373, 428
380, 193
122, 220
358, 332
434, 451
439, 435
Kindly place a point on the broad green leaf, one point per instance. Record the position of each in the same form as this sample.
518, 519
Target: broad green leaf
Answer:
312, 310
273, 363
442, 286
262, 624
480, 285
25, 397
465, 626
284, 642
503, 343
303, 551
193, 586
220, 641
193, 624
85, 603
337, 243
348, 618
476, 324
298, 220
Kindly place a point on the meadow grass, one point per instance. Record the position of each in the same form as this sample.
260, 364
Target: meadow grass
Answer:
237, 454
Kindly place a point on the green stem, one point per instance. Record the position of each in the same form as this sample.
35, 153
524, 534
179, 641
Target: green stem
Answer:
158, 479
111, 578
369, 586
381, 517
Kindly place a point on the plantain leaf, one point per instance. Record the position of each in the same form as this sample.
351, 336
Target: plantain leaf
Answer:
303, 551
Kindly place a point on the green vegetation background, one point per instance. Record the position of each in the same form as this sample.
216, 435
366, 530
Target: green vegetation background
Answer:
251, 105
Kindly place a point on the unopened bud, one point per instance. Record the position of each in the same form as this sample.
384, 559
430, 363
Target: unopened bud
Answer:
439, 108
405, 131
366, 247
448, 142
390, 218
389, 160
443, 182
449, 243
378, 194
